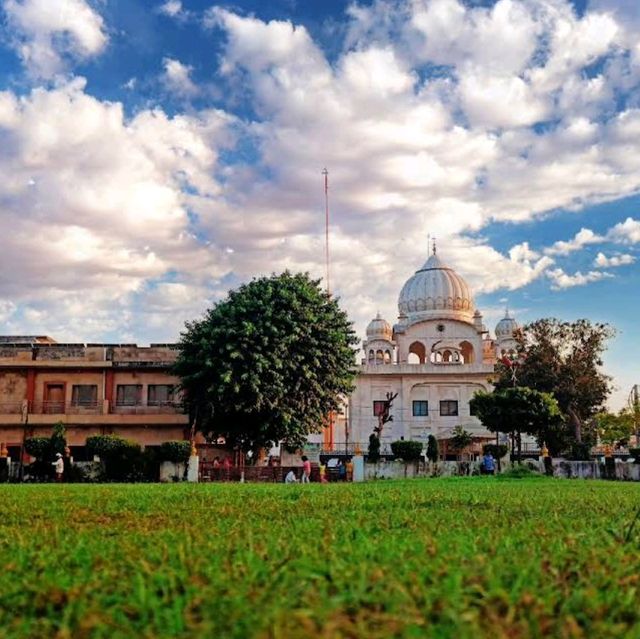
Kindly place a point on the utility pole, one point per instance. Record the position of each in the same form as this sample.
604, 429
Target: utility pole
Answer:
328, 435
325, 173
634, 404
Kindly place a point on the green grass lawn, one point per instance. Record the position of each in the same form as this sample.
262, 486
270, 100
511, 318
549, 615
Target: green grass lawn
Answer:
450, 558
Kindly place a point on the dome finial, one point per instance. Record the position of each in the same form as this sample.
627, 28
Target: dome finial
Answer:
434, 244
506, 311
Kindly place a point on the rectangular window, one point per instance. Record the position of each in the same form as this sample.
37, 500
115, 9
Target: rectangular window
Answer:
84, 395
420, 408
160, 394
472, 410
129, 395
378, 408
448, 408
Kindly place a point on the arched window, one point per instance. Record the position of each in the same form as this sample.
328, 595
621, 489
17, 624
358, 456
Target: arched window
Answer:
387, 357
379, 357
417, 348
446, 356
372, 355
436, 358
412, 358
468, 355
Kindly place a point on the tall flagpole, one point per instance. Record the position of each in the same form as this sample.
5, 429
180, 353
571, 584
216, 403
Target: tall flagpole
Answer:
326, 221
328, 434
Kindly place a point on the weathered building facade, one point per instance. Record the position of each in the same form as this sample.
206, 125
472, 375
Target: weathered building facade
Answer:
120, 389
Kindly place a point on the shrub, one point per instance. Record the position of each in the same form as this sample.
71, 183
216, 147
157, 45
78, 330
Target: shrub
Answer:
635, 453
433, 452
122, 458
497, 450
104, 445
579, 451
177, 452
373, 454
37, 447
407, 450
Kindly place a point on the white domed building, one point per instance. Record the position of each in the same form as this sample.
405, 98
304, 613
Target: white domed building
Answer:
435, 358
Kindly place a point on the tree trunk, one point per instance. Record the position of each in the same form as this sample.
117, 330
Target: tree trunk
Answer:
577, 424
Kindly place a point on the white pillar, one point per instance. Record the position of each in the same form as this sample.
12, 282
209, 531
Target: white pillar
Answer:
192, 471
358, 468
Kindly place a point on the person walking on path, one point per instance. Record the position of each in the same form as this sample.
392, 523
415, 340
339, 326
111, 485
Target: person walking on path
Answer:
306, 470
58, 465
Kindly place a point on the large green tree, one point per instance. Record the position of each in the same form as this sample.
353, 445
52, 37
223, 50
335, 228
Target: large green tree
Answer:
565, 359
520, 410
267, 364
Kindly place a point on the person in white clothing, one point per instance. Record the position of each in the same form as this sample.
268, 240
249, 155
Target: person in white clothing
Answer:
291, 478
58, 464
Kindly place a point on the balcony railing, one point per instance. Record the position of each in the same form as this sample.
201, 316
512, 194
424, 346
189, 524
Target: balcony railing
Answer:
100, 407
154, 408
50, 407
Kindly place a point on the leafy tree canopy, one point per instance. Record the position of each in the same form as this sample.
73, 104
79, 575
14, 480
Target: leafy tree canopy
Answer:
460, 439
615, 427
521, 410
269, 363
563, 358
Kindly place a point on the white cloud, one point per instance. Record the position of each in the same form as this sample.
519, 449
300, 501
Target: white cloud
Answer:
177, 78
47, 35
627, 232
175, 10
102, 225
561, 280
171, 8
603, 261
582, 238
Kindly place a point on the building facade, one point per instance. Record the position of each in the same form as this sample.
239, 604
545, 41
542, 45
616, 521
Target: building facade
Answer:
433, 360
93, 389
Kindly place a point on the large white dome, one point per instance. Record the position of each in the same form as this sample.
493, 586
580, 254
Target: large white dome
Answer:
436, 291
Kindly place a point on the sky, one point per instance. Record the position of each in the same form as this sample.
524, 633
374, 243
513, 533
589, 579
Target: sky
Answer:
155, 154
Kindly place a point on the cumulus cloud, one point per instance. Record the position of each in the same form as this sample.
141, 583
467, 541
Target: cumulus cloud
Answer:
603, 261
102, 225
177, 78
582, 238
46, 35
561, 280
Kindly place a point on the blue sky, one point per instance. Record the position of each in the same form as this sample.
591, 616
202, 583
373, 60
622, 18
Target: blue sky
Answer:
156, 153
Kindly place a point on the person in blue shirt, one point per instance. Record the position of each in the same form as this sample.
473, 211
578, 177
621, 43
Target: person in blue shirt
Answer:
489, 464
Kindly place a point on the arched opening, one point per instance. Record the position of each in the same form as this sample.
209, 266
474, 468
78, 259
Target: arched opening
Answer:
412, 358
446, 356
387, 357
418, 349
468, 355
372, 356
436, 358
379, 356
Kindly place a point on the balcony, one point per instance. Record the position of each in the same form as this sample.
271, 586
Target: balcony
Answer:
66, 408
151, 408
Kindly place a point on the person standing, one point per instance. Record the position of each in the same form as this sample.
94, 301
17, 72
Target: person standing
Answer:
58, 467
349, 466
489, 464
323, 473
306, 470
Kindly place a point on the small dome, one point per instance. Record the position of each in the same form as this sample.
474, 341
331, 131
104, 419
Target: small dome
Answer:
506, 327
436, 291
379, 329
